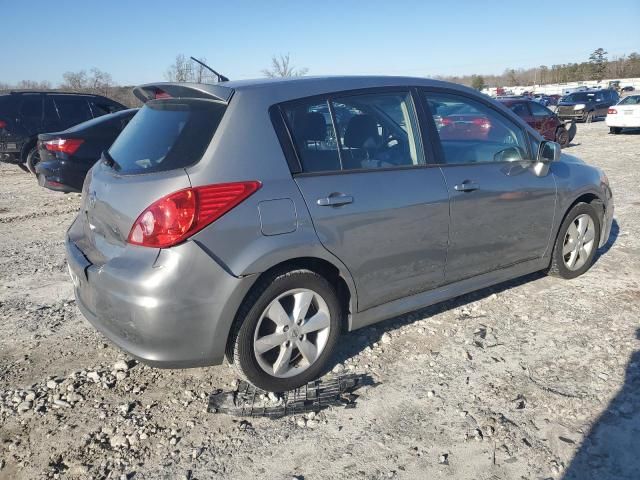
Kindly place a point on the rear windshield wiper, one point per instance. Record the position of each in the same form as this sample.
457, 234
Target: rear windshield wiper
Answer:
110, 161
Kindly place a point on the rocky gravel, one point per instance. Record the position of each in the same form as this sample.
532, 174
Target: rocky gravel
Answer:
538, 378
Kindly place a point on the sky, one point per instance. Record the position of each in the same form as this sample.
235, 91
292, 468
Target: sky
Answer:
136, 41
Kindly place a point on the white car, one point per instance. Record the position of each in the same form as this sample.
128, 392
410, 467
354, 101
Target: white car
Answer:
625, 114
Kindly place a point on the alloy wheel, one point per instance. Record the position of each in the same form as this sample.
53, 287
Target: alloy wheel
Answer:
292, 333
579, 241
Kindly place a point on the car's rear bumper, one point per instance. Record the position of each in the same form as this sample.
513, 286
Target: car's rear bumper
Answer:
173, 310
10, 151
62, 176
621, 122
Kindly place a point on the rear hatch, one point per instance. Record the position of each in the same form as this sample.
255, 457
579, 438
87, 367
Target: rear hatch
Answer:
145, 163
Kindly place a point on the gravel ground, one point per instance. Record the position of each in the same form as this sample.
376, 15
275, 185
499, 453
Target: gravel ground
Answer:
534, 379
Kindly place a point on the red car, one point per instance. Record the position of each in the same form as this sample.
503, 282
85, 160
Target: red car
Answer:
542, 119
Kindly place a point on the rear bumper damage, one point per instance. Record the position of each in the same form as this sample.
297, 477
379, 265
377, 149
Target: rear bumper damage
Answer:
173, 310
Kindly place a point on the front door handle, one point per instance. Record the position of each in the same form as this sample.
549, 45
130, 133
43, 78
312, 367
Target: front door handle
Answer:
335, 200
466, 186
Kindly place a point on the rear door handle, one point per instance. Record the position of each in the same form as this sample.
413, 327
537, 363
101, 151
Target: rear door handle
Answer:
335, 200
466, 186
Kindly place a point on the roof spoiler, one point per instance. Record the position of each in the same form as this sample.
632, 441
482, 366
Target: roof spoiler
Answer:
151, 91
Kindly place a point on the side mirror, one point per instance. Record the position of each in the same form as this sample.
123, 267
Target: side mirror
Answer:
548, 151
509, 154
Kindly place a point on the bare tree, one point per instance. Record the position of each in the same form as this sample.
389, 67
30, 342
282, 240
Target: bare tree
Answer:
100, 82
33, 85
74, 81
180, 70
281, 67
184, 69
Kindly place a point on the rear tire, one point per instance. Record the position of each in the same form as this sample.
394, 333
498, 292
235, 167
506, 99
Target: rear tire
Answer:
262, 366
562, 137
573, 254
615, 130
33, 158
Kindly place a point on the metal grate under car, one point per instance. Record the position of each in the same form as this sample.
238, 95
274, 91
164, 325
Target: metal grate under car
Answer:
249, 401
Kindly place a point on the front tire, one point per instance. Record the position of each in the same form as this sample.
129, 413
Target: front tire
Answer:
576, 243
562, 137
287, 330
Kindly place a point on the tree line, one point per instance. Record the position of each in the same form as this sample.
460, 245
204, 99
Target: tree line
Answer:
597, 67
184, 69
94, 81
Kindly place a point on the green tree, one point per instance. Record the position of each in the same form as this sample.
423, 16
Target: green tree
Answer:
598, 61
477, 82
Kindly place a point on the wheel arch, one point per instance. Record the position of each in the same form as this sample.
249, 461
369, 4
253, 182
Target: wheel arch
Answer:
31, 142
345, 289
591, 198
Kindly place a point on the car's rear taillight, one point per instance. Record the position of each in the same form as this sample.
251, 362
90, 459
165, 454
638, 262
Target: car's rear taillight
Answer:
179, 215
481, 122
158, 93
3, 124
65, 145
612, 111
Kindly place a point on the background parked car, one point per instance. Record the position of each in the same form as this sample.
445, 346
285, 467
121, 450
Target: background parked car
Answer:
541, 99
628, 88
542, 119
67, 156
23, 115
587, 106
625, 114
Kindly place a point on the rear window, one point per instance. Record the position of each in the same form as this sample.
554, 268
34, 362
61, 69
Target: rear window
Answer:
167, 134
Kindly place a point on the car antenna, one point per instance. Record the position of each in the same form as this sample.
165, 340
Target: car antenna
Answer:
221, 78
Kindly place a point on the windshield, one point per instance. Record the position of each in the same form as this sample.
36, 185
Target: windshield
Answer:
632, 100
579, 97
167, 134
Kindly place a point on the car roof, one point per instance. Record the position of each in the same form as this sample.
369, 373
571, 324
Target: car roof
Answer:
289, 88
51, 92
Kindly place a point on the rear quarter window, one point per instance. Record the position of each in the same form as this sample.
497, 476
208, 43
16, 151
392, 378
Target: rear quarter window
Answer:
167, 134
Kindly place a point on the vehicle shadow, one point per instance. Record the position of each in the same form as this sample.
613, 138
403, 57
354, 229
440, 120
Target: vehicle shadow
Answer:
356, 341
613, 236
630, 131
611, 449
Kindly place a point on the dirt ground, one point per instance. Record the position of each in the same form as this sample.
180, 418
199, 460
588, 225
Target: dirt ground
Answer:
538, 378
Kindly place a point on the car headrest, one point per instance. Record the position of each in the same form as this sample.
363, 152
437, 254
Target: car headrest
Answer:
360, 129
310, 126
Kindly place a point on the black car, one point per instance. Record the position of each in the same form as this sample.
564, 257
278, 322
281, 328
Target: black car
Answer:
23, 115
587, 105
66, 157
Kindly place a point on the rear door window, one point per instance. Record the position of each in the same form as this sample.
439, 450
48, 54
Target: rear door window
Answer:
313, 135
167, 134
102, 107
31, 109
355, 132
72, 110
377, 130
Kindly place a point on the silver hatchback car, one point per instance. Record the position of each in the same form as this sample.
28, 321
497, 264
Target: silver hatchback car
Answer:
258, 220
